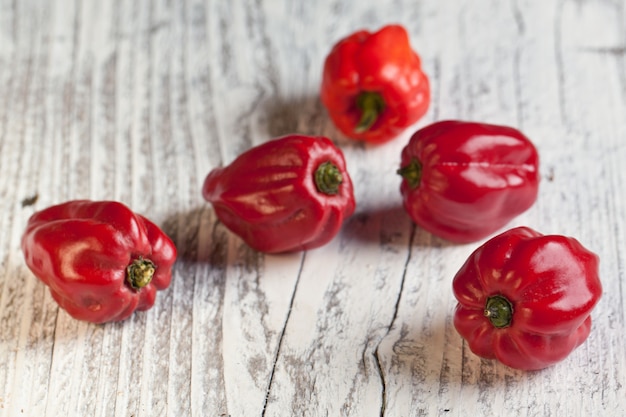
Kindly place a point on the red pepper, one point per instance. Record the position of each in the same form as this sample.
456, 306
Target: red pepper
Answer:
100, 260
525, 298
463, 181
373, 85
291, 193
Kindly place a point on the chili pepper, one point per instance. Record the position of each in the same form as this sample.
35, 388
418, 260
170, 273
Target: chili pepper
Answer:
100, 260
525, 298
373, 85
463, 180
291, 193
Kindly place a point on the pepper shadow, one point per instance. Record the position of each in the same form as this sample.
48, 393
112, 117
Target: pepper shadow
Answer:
283, 115
305, 115
389, 226
202, 240
197, 235
202, 245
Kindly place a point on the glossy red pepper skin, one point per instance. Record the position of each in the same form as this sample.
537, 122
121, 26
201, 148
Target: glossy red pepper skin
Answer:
380, 65
100, 260
463, 181
270, 196
551, 285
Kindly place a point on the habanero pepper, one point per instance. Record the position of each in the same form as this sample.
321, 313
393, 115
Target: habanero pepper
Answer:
290, 193
100, 260
373, 85
525, 298
463, 181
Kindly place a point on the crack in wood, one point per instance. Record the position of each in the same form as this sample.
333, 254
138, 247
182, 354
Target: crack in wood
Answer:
281, 337
377, 355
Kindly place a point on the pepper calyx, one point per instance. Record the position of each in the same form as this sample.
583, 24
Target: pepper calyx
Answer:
371, 105
139, 273
412, 173
499, 311
328, 178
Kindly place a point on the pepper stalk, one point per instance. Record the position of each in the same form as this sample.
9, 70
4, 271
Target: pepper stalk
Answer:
328, 178
371, 105
499, 311
139, 273
412, 173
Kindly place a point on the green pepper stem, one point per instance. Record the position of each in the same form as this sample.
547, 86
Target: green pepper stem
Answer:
328, 178
139, 273
499, 311
412, 173
371, 106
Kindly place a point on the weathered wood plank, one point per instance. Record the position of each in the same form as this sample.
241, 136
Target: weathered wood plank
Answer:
138, 100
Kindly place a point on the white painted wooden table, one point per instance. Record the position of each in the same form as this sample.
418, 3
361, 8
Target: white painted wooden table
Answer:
137, 100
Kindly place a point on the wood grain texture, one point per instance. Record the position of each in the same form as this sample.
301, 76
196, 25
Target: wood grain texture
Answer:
137, 100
